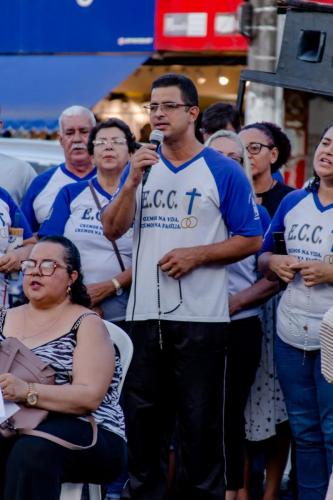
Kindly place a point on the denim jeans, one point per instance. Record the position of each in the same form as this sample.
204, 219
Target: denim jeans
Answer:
309, 401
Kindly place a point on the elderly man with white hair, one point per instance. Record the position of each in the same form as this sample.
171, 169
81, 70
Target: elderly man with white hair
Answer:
75, 124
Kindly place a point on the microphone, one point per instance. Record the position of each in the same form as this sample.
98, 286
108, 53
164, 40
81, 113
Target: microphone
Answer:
156, 137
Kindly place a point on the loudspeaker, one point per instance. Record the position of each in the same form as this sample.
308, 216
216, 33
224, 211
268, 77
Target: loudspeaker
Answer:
305, 61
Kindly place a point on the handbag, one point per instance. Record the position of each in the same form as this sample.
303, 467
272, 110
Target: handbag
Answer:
19, 360
326, 345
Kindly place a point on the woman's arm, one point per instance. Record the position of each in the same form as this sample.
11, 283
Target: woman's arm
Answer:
93, 367
11, 260
102, 290
274, 266
257, 294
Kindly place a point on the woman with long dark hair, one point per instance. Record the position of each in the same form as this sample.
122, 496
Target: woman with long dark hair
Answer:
58, 327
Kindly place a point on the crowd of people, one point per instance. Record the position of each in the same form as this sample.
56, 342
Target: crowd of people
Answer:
218, 271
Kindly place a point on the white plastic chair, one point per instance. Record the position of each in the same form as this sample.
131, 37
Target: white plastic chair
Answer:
73, 491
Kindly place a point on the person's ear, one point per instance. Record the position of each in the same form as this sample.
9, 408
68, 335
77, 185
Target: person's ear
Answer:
74, 275
274, 155
194, 112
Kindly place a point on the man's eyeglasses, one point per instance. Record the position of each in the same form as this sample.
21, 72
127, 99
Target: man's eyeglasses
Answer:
166, 107
254, 148
46, 267
114, 141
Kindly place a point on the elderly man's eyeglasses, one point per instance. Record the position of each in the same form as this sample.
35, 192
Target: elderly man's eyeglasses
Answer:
46, 267
114, 141
165, 107
254, 148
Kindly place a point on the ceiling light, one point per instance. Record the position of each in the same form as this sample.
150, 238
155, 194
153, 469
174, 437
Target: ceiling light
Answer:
223, 80
201, 80
200, 77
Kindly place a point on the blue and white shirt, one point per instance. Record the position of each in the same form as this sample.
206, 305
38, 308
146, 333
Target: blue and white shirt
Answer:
308, 232
10, 216
244, 273
44, 188
75, 215
198, 203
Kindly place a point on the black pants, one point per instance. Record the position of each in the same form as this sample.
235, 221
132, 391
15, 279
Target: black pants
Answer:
183, 381
244, 350
33, 468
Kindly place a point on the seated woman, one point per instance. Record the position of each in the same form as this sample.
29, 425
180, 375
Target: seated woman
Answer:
57, 326
76, 215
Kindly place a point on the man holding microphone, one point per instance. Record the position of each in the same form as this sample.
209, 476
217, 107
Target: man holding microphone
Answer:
192, 199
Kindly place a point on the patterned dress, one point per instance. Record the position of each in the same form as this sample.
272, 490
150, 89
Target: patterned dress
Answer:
59, 354
265, 406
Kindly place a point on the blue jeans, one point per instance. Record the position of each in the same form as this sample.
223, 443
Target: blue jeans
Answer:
309, 401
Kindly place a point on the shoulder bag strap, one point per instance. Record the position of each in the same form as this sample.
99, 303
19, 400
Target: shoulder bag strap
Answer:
63, 442
114, 244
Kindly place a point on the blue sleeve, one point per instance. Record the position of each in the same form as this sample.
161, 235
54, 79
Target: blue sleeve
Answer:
59, 214
265, 218
37, 185
277, 224
16, 215
237, 204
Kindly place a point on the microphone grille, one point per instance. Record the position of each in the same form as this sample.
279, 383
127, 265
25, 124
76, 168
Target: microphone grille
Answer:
156, 135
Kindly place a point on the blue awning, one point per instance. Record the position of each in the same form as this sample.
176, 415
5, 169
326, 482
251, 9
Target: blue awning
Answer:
34, 90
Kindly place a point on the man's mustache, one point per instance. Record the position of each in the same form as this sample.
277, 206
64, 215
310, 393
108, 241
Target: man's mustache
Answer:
78, 145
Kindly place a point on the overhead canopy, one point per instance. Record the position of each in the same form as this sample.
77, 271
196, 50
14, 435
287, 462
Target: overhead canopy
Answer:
34, 90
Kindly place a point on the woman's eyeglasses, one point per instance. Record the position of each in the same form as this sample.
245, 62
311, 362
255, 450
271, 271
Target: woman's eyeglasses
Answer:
254, 148
46, 267
114, 141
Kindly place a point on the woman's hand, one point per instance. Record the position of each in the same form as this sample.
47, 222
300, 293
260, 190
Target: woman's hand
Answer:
314, 272
282, 266
10, 262
13, 388
99, 291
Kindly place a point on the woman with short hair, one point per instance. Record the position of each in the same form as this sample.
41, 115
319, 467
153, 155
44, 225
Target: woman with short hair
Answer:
76, 215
